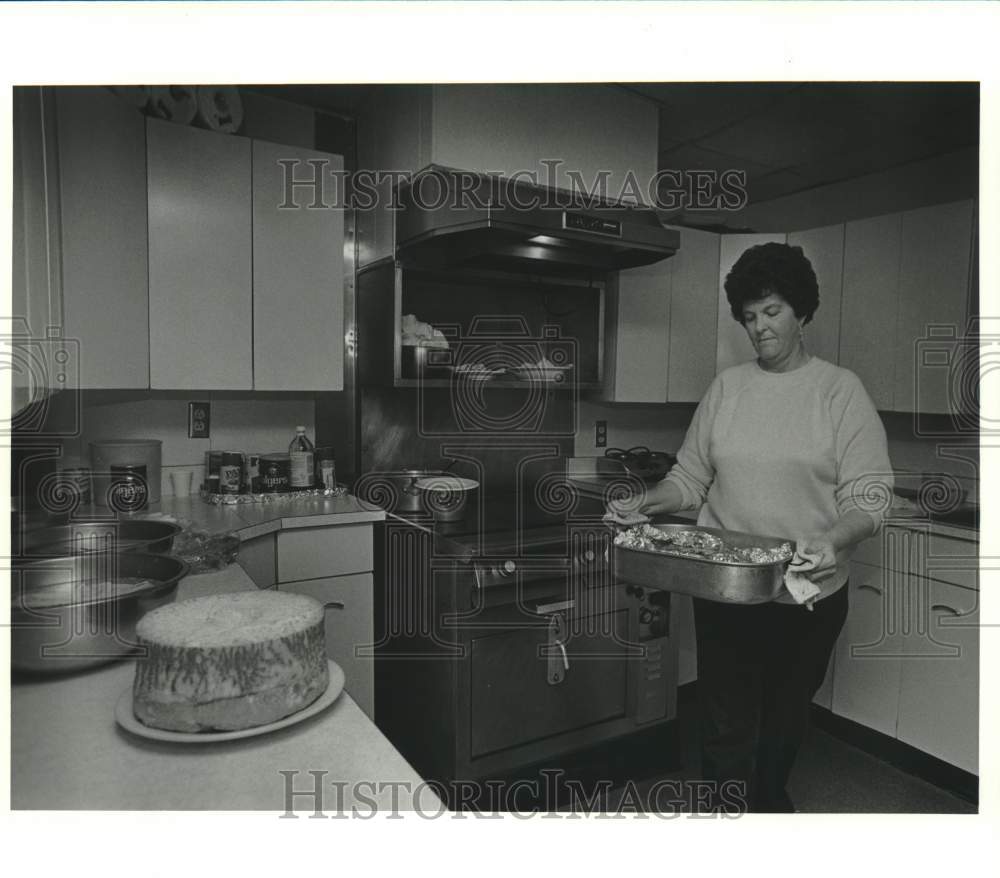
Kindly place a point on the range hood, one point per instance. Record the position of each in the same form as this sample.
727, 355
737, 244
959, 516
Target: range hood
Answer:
458, 219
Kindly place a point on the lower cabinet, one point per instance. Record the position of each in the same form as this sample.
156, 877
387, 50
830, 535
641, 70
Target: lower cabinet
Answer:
257, 558
939, 686
350, 629
907, 662
867, 656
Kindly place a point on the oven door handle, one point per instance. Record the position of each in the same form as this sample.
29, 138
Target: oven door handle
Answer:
554, 607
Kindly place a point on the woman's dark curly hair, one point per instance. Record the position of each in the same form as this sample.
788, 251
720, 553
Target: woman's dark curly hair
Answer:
773, 268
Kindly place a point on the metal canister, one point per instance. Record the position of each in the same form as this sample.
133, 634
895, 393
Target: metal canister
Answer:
275, 471
213, 460
251, 473
230, 472
128, 490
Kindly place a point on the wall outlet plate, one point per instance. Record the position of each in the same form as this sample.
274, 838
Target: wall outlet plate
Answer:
600, 434
199, 420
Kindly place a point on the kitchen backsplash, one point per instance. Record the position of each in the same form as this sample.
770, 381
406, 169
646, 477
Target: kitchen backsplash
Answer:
662, 428
240, 421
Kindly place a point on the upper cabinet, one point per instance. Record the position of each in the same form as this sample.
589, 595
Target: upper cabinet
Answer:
102, 179
732, 345
906, 291
200, 263
36, 293
298, 277
935, 257
662, 325
824, 248
163, 254
870, 297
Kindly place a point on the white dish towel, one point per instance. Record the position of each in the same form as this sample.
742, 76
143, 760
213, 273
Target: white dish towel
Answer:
799, 586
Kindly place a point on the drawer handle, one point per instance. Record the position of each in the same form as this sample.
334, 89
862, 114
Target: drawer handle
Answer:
946, 608
333, 605
870, 587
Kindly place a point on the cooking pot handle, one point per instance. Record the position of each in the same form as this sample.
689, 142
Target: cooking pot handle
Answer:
615, 453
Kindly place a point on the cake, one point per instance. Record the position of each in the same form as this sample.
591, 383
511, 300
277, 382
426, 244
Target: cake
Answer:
229, 662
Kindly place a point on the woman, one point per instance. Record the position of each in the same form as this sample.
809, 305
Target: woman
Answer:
786, 445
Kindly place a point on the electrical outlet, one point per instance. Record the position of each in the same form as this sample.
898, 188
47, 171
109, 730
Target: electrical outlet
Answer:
601, 434
199, 420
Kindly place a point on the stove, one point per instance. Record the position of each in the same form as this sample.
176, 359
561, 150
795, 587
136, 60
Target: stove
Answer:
526, 647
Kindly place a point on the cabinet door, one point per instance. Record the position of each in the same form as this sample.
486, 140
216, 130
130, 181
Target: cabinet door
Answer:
935, 254
36, 294
102, 171
825, 250
866, 660
350, 631
257, 558
868, 309
298, 272
732, 344
638, 370
200, 288
693, 316
939, 688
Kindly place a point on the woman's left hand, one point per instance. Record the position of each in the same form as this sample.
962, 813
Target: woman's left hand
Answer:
821, 550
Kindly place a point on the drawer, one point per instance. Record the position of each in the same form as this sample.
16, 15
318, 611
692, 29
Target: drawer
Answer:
914, 550
314, 552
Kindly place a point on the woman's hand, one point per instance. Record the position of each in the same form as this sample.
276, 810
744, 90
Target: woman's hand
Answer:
663, 497
627, 510
822, 551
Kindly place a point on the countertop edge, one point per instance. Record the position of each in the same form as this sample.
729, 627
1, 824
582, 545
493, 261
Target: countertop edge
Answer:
594, 488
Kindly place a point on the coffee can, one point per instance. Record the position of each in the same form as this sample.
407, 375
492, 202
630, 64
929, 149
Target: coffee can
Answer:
275, 471
128, 490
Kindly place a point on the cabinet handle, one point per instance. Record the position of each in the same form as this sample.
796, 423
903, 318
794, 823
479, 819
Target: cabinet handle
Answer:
565, 657
946, 608
333, 605
870, 587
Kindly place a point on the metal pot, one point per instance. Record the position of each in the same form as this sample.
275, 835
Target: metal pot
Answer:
650, 466
80, 611
409, 497
446, 497
150, 537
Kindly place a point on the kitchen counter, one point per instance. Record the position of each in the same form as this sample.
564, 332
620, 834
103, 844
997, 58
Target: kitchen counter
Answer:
250, 520
595, 485
67, 752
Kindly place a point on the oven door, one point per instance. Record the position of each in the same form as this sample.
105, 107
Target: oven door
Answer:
524, 688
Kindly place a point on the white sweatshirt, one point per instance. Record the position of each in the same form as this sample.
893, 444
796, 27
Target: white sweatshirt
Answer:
785, 454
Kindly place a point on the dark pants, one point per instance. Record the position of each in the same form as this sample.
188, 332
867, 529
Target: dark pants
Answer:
759, 667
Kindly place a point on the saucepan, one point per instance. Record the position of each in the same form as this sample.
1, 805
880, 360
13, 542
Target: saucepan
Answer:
447, 497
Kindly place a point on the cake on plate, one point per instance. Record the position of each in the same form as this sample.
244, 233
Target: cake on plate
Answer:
229, 662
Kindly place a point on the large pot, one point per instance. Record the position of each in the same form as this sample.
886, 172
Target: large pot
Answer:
447, 497
80, 611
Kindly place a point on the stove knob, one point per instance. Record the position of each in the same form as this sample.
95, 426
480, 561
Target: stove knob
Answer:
508, 568
589, 557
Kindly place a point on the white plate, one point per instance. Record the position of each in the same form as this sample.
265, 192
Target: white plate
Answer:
126, 718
